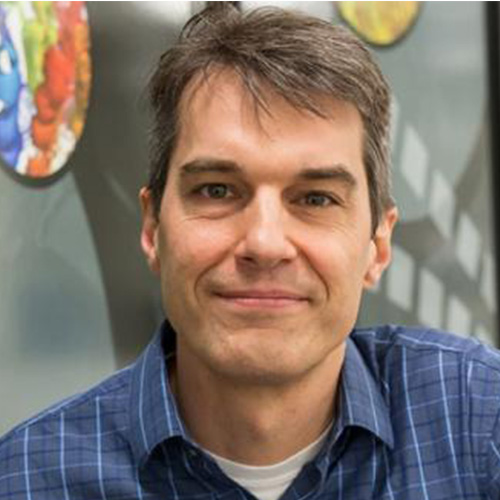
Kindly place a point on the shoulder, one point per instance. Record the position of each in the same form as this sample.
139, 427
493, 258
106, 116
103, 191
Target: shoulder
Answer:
419, 345
441, 383
423, 368
73, 424
109, 392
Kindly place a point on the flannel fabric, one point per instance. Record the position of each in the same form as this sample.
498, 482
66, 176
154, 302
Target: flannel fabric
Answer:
418, 419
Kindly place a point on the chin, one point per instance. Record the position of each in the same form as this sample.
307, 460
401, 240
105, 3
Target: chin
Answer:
263, 363
265, 355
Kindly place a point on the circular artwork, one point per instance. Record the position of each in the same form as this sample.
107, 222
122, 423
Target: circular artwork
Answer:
45, 74
379, 23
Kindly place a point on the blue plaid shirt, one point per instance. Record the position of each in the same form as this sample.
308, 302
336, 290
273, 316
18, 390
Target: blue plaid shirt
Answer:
418, 419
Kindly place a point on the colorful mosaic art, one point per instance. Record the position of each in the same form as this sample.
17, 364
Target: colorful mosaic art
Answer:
45, 76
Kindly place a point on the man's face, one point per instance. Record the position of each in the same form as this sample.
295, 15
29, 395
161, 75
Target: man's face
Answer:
263, 243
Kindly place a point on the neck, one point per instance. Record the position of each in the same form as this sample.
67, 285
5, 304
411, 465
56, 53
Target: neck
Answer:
256, 424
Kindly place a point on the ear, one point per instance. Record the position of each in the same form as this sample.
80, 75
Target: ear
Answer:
149, 232
381, 248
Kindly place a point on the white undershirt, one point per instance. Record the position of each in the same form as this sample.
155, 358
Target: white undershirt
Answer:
270, 482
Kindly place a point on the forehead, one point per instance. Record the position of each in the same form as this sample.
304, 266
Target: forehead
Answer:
219, 116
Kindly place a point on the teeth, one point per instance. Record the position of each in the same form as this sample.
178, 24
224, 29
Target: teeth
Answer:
2, 106
5, 62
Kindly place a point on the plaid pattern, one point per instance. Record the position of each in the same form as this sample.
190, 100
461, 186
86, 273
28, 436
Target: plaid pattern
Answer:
418, 419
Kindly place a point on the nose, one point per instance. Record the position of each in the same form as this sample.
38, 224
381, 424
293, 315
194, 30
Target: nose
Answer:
265, 240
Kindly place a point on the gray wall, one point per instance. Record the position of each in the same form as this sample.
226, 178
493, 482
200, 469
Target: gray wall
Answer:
76, 299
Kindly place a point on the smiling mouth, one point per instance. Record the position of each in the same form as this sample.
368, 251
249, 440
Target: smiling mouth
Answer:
262, 300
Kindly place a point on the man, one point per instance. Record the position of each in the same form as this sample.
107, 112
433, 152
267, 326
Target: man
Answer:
267, 214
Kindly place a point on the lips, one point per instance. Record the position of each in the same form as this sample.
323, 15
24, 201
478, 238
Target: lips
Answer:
262, 298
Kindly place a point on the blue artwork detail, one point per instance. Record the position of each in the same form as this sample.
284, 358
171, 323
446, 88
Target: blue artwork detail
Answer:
11, 140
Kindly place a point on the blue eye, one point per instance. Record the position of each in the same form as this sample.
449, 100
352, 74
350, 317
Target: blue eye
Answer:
318, 200
215, 191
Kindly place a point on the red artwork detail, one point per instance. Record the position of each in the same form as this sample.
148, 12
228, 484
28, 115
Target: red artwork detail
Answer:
64, 91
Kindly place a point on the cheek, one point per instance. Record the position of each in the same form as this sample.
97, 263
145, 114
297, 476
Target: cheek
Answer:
191, 247
340, 261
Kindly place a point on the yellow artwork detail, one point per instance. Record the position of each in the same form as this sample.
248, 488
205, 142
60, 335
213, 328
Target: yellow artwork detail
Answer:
379, 23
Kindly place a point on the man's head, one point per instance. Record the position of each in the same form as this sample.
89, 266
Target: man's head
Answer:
264, 235
300, 58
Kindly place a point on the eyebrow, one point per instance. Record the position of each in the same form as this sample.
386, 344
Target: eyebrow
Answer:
207, 165
337, 172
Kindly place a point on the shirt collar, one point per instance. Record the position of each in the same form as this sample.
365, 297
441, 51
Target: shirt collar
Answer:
361, 401
154, 416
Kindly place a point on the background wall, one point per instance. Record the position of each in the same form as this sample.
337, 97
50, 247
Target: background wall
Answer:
76, 299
